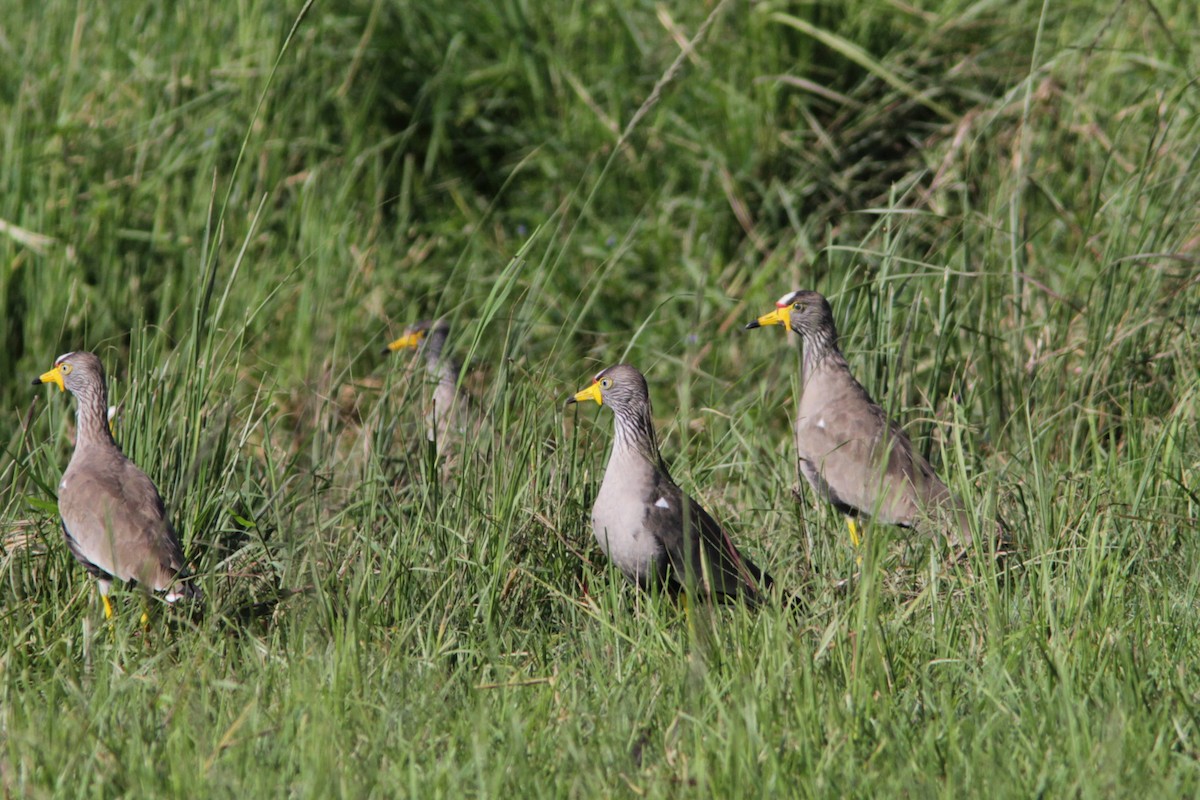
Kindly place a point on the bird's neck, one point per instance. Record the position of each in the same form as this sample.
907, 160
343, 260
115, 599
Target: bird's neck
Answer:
635, 436
435, 343
444, 369
91, 416
820, 347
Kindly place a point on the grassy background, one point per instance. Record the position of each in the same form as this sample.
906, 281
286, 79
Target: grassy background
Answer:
240, 205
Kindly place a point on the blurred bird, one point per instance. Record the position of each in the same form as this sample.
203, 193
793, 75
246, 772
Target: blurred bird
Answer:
452, 410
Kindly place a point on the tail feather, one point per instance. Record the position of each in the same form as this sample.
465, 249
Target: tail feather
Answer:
184, 587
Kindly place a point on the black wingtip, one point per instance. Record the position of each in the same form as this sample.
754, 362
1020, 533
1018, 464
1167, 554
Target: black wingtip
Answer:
188, 589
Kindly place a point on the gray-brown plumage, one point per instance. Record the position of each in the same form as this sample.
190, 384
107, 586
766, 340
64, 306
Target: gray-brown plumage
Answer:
643, 521
849, 452
113, 518
451, 410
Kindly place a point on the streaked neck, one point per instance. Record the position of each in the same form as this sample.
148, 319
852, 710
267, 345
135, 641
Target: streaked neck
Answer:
91, 416
818, 347
635, 434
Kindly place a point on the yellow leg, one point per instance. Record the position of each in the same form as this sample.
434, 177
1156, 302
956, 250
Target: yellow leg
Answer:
855, 539
108, 612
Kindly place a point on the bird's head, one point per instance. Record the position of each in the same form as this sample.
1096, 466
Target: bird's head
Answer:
417, 333
73, 371
621, 387
804, 312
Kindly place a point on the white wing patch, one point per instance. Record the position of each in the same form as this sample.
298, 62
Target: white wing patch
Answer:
662, 503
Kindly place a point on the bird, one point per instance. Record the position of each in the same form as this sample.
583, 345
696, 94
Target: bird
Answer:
113, 518
849, 451
452, 410
647, 526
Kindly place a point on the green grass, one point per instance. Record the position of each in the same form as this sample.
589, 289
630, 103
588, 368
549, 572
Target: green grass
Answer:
242, 206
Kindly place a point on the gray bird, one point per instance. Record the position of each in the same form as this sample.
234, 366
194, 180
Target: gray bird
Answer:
113, 518
849, 451
451, 410
647, 526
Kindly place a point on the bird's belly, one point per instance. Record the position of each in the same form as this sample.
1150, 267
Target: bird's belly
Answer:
862, 489
621, 533
815, 479
827, 458
96, 548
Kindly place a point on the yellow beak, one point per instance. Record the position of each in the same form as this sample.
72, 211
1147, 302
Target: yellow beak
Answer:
779, 316
590, 393
53, 376
407, 341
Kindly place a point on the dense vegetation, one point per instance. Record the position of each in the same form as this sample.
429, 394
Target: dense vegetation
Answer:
236, 206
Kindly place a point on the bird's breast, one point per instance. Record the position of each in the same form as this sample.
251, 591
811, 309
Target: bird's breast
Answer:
619, 525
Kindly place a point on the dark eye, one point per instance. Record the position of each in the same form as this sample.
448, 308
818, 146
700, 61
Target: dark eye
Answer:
797, 305
605, 383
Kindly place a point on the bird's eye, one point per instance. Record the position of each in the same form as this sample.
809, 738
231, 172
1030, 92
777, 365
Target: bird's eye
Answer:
66, 369
605, 383
797, 305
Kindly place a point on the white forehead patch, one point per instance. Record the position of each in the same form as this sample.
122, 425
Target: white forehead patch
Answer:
63, 358
785, 300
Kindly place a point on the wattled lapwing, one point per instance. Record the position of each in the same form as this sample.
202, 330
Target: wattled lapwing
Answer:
849, 451
113, 517
452, 410
643, 521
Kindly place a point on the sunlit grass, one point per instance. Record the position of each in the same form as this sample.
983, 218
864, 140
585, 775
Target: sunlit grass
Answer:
1007, 233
